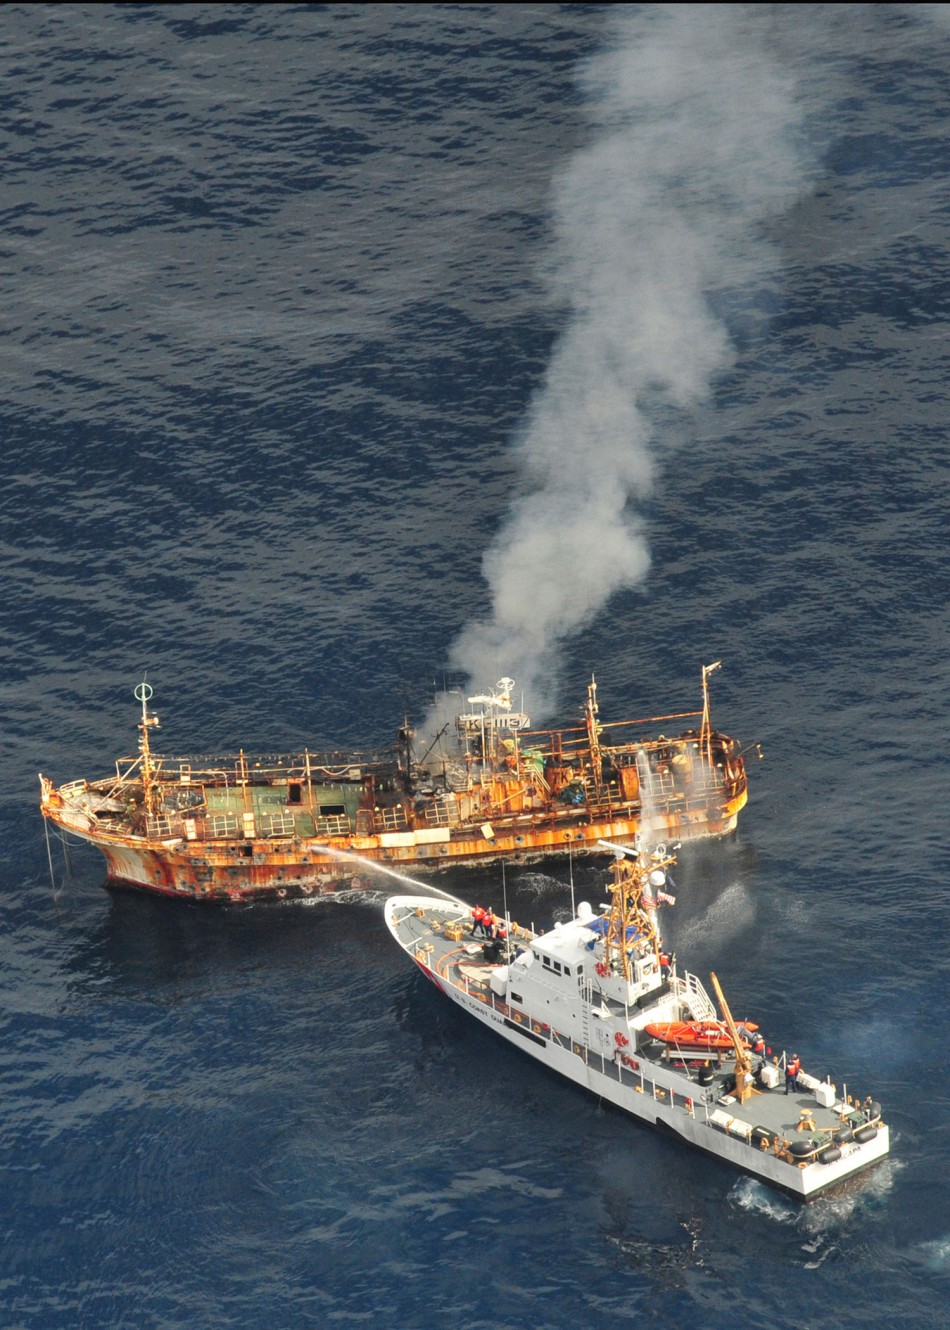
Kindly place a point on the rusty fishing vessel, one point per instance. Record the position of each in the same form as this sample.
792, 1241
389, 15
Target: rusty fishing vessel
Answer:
247, 828
593, 1000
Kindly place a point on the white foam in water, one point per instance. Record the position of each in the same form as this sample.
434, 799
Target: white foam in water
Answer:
749, 1194
538, 884
822, 1218
936, 1254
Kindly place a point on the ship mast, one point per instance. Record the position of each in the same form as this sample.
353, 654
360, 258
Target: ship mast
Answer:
705, 733
627, 910
743, 1064
591, 710
143, 692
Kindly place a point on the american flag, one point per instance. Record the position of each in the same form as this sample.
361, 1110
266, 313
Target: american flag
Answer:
651, 902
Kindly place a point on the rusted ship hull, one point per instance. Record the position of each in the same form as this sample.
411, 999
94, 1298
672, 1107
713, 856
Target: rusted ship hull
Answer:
248, 870
246, 828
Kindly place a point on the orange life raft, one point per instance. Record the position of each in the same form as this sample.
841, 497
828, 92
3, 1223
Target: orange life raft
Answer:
705, 1036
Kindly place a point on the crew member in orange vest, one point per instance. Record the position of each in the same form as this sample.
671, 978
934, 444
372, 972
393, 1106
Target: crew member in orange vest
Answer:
791, 1073
488, 923
478, 920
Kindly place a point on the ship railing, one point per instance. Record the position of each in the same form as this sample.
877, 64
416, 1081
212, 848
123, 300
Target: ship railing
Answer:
392, 819
160, 827
707, 779
443, 813
687, 987
187, 775
218, 826
338, 764
633, 1070
604, 800
72, 787
276, 824
335, 825
702, 782
223, 825
659, 783
574, 738
230, 826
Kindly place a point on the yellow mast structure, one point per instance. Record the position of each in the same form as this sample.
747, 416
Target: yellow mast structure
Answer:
627, 909
743, 1062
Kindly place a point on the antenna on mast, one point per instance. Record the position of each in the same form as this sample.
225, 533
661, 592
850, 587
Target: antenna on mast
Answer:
142, 693
705, 731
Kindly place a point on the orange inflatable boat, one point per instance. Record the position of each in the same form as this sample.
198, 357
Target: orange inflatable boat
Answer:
703, 1036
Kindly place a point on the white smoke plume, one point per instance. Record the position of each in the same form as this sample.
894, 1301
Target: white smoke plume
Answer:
693, 145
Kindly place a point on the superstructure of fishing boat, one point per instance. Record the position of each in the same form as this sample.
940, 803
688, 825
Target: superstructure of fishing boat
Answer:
245, 828
592, 1000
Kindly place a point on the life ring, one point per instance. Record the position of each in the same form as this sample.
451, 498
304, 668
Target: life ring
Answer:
621, 1040
602, 969
536, 1028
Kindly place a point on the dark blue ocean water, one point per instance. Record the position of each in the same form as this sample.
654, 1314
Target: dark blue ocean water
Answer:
283, 290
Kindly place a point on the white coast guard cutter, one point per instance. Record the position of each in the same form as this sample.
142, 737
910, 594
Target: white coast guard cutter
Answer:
580, 999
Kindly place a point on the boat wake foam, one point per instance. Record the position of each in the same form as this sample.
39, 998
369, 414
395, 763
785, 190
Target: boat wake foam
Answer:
936, 1255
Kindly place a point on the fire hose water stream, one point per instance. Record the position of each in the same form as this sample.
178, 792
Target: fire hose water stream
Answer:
390, 872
